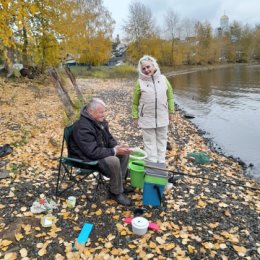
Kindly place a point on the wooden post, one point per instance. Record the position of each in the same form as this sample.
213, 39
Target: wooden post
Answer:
62, 92
74, 83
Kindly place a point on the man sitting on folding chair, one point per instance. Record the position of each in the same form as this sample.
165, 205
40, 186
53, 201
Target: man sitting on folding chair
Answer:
91, 140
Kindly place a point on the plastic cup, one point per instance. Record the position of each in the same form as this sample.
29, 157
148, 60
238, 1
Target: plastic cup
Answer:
71, 202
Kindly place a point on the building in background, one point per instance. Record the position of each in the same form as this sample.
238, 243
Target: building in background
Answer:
224, 25
224, 22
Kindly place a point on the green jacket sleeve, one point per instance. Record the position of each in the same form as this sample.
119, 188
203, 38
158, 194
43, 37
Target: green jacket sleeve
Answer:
135, 101
170, 98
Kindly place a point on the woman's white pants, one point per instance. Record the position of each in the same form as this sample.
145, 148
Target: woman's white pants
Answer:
155, 142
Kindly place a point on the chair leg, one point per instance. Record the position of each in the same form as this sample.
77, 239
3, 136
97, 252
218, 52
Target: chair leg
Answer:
58, 179
67, 173
61, 176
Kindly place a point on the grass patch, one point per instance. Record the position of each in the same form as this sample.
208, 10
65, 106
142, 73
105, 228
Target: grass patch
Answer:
105, 72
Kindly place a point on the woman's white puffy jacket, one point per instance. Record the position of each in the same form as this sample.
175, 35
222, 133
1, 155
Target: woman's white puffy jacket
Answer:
152, 101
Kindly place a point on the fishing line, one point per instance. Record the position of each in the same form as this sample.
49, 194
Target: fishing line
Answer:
195, 176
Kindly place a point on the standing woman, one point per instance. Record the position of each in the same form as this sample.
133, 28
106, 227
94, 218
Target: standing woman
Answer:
152, 108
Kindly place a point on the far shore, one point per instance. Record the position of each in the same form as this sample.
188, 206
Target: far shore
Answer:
187, 70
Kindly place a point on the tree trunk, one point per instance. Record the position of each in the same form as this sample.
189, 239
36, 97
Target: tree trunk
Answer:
63, 94
25, 47
74, 83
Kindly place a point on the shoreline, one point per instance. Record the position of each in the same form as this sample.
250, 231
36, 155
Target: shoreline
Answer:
188, 70
215, 147
247, 167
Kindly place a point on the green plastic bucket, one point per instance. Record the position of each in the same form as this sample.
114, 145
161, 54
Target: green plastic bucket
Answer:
137, 155
137, 174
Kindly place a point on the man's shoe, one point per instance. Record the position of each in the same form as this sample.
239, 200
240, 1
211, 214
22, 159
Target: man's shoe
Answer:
5, 150
129, 189
121, 199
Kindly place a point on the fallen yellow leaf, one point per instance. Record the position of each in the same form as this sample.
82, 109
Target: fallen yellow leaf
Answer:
27, 228
169, 246
18, 236
123, 233
227, 213
240, 250
208, 245
149, 256
190, 249
23, 252
115, 251
42, 251
76, 228
59, 257
213, 225
152, 245
116, 217
201, 204
223, 205
5, 242
98, 212
39, 245
160, 240
10, 256
108, 245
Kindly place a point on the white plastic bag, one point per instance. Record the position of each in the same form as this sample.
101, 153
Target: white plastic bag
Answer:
42, 205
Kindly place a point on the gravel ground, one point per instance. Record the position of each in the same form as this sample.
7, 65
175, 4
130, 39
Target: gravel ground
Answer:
198, 219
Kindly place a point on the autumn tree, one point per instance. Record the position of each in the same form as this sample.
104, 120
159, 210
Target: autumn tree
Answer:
140, 29
256, 45
7, 12
172, 31
203, 33
247, 44
25, 11
88, 36
189, 44
42, 32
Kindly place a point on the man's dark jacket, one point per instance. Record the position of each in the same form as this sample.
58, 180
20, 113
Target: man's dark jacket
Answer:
91, 140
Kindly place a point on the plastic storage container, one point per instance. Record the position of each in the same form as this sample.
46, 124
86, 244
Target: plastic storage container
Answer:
139, 225
154, 183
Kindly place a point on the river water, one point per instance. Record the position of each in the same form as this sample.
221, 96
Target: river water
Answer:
226, 105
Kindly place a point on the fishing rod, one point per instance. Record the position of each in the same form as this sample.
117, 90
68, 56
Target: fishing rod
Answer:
193, 176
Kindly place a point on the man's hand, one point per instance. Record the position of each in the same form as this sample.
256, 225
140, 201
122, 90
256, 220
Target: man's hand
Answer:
123, 150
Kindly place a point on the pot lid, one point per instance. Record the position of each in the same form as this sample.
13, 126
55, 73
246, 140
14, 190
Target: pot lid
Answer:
140, 222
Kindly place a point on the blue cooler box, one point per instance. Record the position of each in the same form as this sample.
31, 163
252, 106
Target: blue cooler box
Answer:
154, 183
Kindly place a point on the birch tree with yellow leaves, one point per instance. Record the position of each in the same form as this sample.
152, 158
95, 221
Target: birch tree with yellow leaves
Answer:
140, 30
6, 33
88, 36
43, 32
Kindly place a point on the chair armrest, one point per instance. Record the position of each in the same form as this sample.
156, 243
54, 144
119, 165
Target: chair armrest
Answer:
69, 159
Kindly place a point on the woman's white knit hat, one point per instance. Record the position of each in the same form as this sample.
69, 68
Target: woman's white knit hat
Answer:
147, 58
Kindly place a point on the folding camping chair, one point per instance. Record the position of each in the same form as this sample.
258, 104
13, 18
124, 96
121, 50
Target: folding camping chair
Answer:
74, 171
